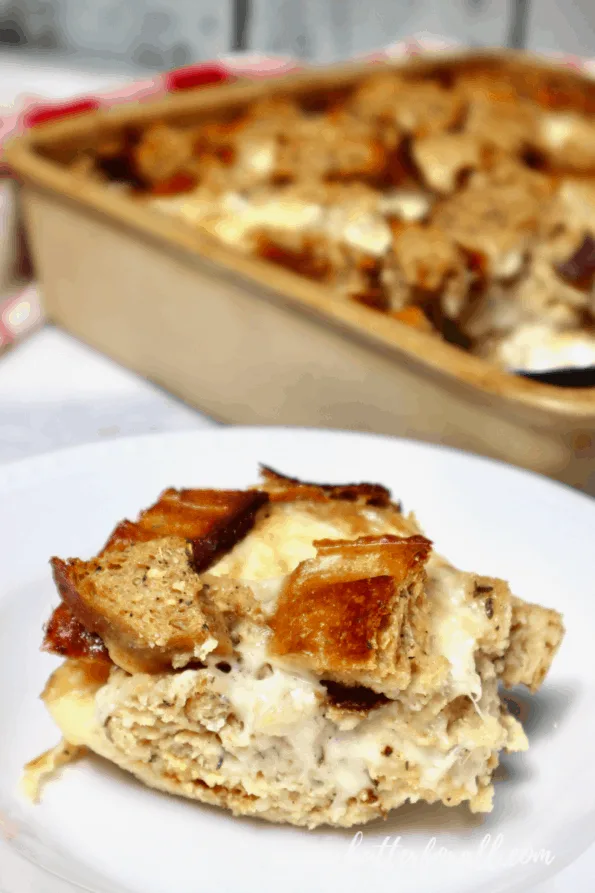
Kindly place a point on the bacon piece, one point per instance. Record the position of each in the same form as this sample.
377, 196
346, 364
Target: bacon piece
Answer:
579, 268
414, 317
344, 613
213, 520
374, 297
125, 533
177, 184
306, 261
354, 698
64, 635
115, 158
286, 489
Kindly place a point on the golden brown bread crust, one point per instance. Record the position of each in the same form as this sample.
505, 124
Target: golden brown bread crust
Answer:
281, 488
212, 520
342, 613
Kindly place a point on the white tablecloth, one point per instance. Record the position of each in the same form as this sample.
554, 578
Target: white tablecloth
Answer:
55, 391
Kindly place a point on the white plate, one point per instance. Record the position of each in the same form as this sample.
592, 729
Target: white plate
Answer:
100, 830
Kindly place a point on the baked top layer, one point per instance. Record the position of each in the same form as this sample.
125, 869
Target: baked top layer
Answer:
344, 669
460, 201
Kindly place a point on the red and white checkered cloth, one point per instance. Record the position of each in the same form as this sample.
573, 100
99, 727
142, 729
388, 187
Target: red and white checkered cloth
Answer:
22, 311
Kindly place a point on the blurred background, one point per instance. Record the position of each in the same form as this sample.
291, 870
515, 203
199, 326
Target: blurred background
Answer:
53, 49
155, 34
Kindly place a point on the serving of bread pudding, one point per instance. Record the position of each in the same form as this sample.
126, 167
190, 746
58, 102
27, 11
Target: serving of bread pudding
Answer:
295, 652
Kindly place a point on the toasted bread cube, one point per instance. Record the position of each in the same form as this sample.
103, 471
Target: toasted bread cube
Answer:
146, 602
443, 157
281, 488
213, 520
346, 614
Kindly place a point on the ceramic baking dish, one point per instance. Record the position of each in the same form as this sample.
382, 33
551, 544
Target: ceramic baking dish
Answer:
250, 342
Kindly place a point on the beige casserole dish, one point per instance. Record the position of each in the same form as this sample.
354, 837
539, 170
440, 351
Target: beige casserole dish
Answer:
248, 341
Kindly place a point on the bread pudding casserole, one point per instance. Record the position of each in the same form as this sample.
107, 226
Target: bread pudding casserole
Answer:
459, 200
295, 652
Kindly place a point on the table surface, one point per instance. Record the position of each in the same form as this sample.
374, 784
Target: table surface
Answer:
56, 391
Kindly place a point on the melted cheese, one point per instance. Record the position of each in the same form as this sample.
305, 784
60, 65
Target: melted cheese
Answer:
368, 233
283, 729
536, 347
75, 716
268, 699
360, 228
259, 159
457, 625
286, 704
409, 206
284, 536
557, 128
233, 218
283, 212
193, 208
281, 540
507, 265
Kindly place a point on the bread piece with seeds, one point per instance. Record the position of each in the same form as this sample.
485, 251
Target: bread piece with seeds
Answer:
535, 636
496, 602
147, 604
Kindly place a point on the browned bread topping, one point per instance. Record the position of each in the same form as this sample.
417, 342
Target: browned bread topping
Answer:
341, 614
457, 197
328, 669
146, 603
213, 520
281, 488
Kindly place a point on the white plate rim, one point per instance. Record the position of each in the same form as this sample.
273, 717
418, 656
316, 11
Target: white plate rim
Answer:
24, 472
